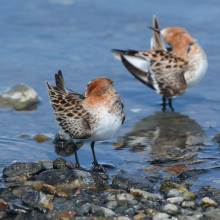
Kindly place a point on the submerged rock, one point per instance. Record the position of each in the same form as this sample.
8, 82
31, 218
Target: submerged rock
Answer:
38, 200
128, 181
18, 191
208, 191
19, 97
70, 179
40, 138
190, 173
26, 169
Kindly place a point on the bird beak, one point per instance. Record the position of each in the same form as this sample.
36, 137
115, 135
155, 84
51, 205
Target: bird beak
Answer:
155, 29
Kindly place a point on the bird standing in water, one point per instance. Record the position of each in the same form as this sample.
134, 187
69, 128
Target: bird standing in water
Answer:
168, 71
94, 116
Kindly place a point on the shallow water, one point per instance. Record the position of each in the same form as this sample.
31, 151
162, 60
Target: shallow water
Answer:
40, 37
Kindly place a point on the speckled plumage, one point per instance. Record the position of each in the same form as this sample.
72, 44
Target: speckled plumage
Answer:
168, 71
95, 116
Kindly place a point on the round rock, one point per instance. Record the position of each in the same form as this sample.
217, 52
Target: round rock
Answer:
127, 181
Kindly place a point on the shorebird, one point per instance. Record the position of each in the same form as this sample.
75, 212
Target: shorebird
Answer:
168, 71
94, 116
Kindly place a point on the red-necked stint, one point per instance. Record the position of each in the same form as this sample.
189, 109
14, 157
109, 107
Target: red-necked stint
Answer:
94, 116
168, 71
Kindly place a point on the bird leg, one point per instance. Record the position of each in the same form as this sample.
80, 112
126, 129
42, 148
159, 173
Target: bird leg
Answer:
76, 157
170, 105
96, 166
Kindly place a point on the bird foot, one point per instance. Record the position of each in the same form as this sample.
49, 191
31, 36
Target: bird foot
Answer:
98, 168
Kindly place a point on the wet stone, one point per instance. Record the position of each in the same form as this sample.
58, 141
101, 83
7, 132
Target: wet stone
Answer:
4, 205
128, 181
27, 169
152, 204
70, 179
189, 204
48, 189
2, 214
129, 212
111, 205
172, 193
17, 206
132, 202
170, 185
206, 201
21, 178
85, 209
161, 216
68, 214
38, 200
61, 137
208, 191
70, 165
104, 212
213, 214
175, 200
120, 209
40, 138
191, 173
21, 217
19, 96
16, 211
59, 163
188, 195
18, 191
139, 216
171, 209
123, 218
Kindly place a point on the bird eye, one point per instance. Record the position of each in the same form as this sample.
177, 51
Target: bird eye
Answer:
189, 48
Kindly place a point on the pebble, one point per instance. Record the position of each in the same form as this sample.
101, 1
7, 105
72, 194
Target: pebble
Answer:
172, 193
19, 168
41, 138
85, 209
208, 202
161, 216
18, 191
175, 200
139, 216
4, 205
171, 209
128, 181
111, 205
19, 96
123, 218
104, 212
68, 214
37, 199
189, 204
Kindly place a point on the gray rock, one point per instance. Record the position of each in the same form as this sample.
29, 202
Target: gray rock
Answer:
132, 202
152, 204
171, 209
208, 191
120, 209
190, 173
19, 97
129, 212
124, 196
60, 136
81, 201
111, 205
2, 214
85, 209
213, 214
38, 200
17, 169
71, 178
104, 212
152, 196
21, 217
161, 216
127, 181
189, 204
175, 200
172, 193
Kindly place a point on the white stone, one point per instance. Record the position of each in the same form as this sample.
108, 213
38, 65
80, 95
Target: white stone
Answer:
175, 200
125, 196
161, 216
171, 209
189, 204
123, 218
209, 202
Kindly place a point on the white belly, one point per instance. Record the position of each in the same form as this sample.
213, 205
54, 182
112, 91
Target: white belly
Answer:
196, 73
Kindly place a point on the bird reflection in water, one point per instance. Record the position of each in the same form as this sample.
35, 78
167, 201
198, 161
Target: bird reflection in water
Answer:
163, 135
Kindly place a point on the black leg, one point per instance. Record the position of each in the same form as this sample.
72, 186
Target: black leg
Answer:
96, 166
75, 151
164, 104
170, 104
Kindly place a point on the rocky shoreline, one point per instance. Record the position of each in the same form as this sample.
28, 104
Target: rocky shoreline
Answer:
56, 190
